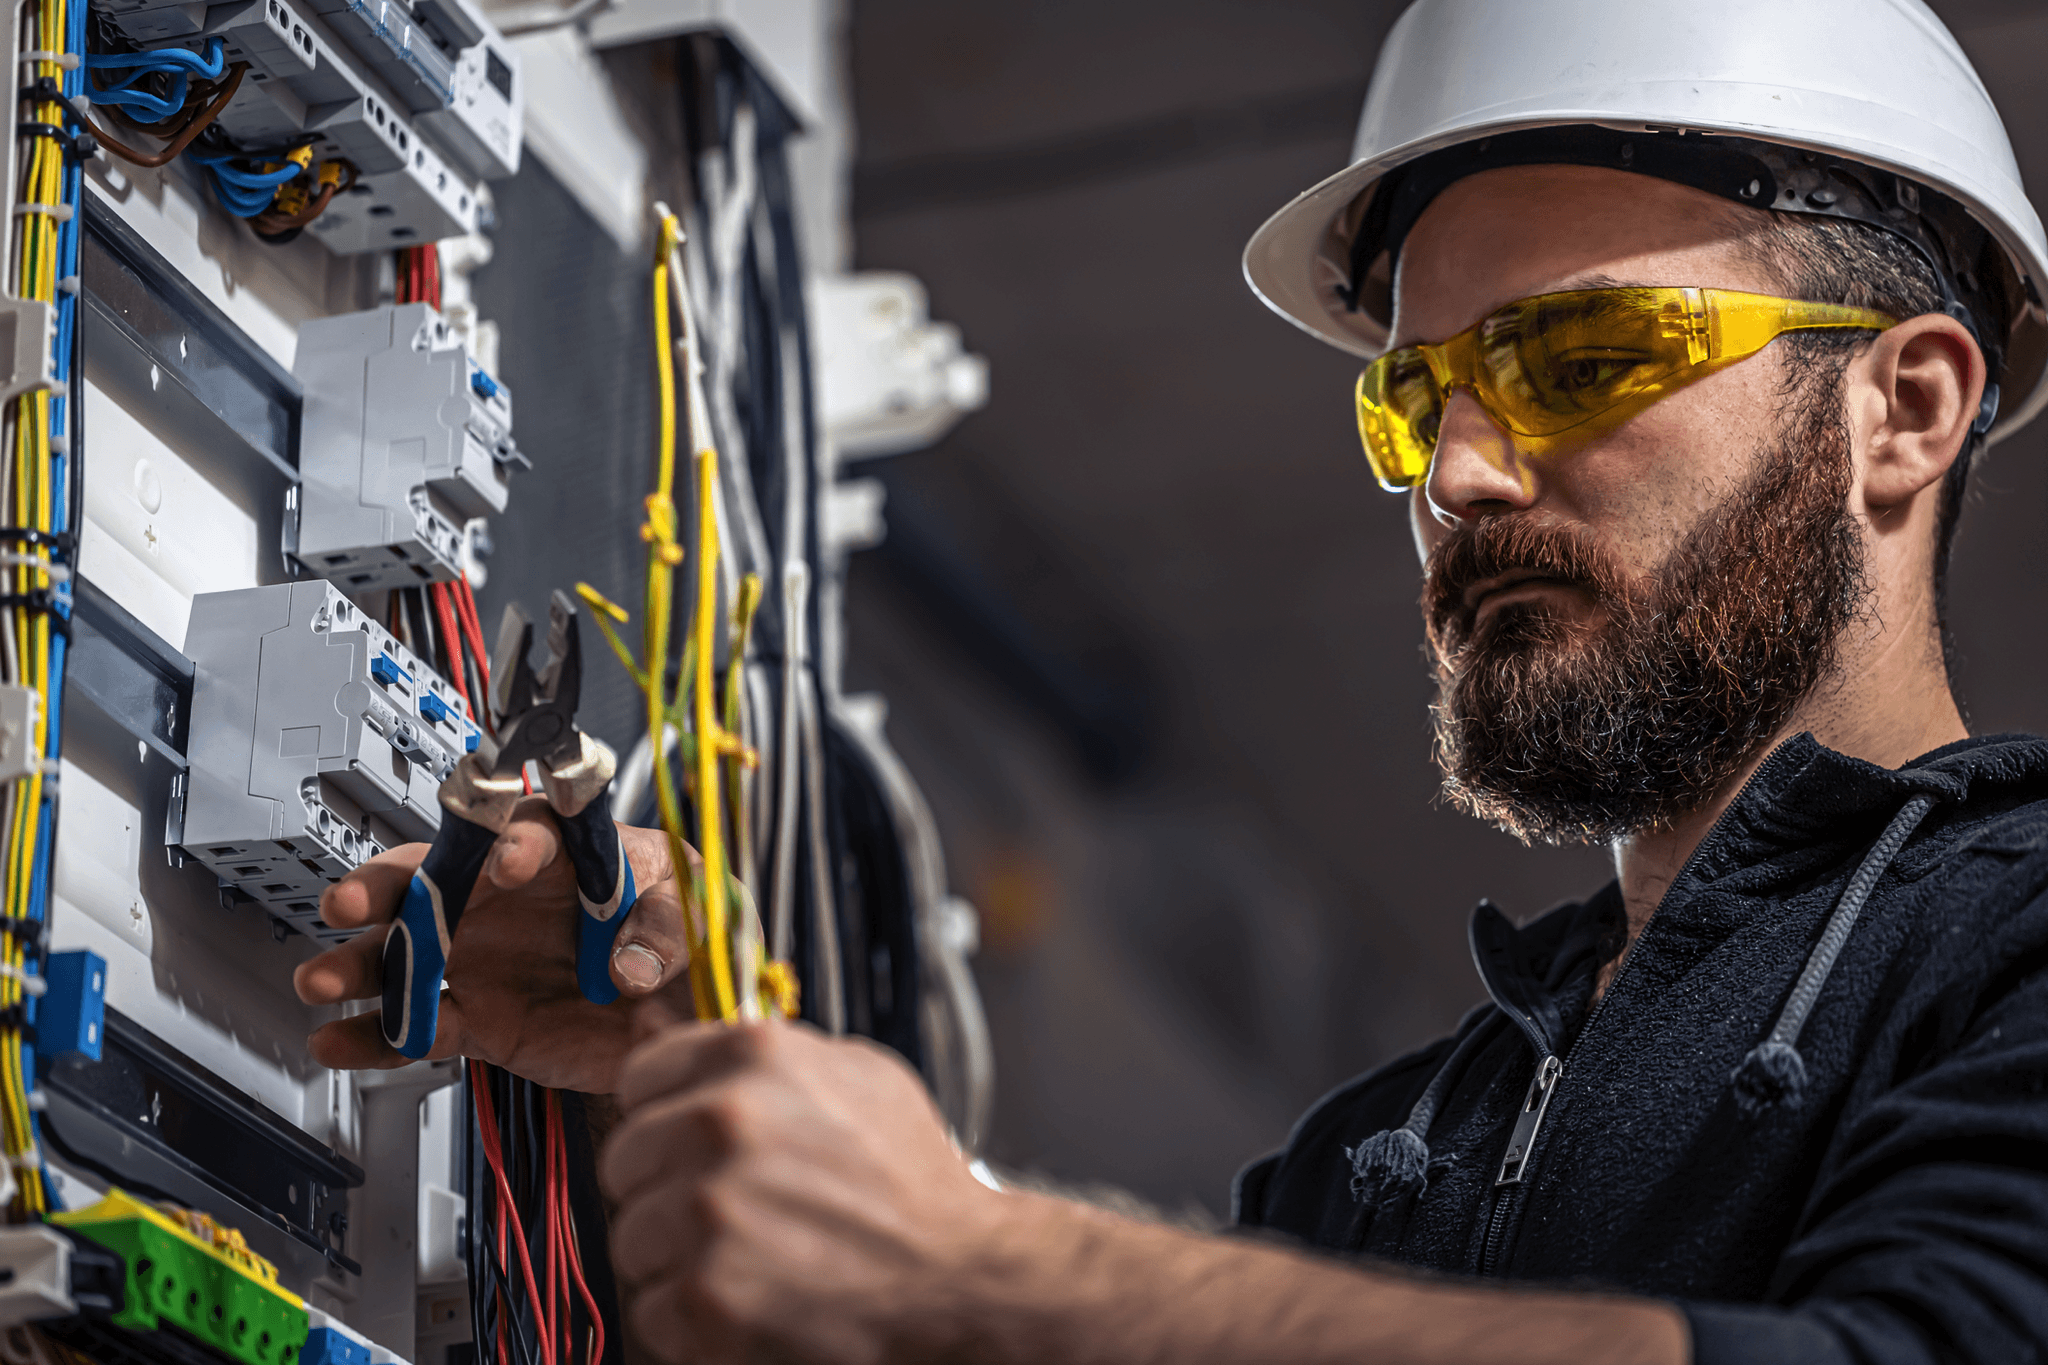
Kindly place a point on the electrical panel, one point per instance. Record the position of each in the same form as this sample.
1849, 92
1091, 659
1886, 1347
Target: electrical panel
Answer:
405, 439
318, 741
233, 729
424, 104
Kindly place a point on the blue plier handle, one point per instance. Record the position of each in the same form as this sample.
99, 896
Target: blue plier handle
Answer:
604, 875
475, 808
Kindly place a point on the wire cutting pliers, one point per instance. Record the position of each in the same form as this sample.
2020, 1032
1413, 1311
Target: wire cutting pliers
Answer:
536, 723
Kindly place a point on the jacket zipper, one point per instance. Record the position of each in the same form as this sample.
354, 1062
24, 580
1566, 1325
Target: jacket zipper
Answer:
1507, 1186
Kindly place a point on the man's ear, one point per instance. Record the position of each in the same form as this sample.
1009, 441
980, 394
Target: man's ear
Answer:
1914, 394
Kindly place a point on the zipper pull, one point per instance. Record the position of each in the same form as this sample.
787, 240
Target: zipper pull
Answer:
1530, 1121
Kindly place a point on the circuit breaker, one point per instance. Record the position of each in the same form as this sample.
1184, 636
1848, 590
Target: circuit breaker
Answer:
317, 741
404, 439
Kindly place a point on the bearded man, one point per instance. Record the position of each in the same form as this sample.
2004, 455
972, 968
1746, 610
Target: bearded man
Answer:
1686, 391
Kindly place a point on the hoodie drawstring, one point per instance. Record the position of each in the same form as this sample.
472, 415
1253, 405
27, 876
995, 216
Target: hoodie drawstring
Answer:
1395, 1162
1774, 1073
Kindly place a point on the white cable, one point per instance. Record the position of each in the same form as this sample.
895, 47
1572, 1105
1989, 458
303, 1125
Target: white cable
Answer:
782, 902
575, 14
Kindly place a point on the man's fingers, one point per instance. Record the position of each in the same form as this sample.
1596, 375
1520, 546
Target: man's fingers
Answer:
690, 1054
653, 945
676, 1137
352, 971
372, 893
357, 1043
660, 1327
528, 847
354, 1044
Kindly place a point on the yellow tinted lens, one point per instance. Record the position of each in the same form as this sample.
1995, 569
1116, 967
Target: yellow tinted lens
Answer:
1399, 409
1550, 363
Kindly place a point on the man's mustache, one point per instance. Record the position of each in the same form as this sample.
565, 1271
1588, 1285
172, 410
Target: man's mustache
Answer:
1512, 545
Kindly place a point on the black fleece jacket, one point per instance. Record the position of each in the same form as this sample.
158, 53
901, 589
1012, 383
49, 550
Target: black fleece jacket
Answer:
1880, 1198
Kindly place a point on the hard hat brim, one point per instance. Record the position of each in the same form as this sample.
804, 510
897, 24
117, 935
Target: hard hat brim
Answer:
1290, 266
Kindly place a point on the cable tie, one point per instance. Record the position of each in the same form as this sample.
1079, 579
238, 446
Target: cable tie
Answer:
69, 61
60, 443
62, 541
68, 285
61, 212
58, 573
31, 984
77, 146
15, 1017
37, 1103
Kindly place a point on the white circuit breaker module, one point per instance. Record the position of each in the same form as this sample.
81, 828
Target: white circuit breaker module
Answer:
424, 101
317, 741
404, 439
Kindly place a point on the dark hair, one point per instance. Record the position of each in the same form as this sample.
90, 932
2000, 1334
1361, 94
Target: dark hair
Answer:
1834, 260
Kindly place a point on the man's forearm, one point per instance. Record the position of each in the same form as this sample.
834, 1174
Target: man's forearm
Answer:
1072, 1284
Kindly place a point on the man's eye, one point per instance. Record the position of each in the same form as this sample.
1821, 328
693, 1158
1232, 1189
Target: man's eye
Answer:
1589, 372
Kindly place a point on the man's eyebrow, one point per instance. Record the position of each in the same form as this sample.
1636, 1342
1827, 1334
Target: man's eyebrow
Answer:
1596, 280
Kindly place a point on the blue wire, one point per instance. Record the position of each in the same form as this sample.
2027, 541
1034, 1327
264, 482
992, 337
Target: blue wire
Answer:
150, 108
165, 59
181, 65
244, 193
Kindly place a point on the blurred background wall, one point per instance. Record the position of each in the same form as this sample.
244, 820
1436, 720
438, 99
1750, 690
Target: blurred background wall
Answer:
1146, 625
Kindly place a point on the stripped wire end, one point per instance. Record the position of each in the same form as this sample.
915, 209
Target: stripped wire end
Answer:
604, 613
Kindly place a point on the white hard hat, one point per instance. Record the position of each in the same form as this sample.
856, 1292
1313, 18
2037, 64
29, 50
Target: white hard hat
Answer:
1879, 84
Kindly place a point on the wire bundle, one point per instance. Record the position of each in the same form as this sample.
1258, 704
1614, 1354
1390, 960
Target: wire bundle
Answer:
530, 1300
728, 977
39, 491
419, 274
280, 190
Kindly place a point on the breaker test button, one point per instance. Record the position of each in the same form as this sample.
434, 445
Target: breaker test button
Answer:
385, 670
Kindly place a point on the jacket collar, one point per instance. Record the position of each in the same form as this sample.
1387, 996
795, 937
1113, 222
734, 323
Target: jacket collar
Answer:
1805, 804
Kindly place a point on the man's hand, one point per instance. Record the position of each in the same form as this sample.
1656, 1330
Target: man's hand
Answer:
785, 1195
512, 998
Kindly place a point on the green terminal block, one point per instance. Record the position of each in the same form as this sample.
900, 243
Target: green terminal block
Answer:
187, 1270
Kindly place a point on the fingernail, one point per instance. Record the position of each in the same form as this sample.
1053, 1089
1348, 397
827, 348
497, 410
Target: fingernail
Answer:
640, 968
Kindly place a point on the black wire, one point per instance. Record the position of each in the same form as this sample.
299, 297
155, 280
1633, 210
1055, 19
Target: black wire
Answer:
419, 618
71, 1156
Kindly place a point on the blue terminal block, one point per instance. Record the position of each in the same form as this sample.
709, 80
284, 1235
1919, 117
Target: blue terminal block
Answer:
71, 1017
385, 670
325, 1346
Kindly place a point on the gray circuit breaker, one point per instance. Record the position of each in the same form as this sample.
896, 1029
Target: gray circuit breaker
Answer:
404, 439
316, 742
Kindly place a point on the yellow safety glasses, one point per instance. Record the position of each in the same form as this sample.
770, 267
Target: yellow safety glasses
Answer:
1547, 364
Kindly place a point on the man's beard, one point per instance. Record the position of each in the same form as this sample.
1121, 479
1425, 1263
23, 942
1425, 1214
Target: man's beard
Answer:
1566, 730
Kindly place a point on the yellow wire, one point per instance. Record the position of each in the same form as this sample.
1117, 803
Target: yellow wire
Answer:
30, 503
711, 738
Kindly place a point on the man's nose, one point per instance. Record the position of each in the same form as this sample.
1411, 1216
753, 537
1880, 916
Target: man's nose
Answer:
1478, 470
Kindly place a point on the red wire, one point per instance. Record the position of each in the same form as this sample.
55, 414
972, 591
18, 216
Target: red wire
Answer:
431, 262
444, 615
472, 629
551, 1236
574, 1257
487, 1130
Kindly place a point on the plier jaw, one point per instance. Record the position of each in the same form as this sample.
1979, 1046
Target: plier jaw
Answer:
537, 711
